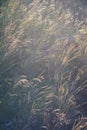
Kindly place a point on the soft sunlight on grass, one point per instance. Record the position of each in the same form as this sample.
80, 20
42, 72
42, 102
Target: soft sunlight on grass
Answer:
43, 64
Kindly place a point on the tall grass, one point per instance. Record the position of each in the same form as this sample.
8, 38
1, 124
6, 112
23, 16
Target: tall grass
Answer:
43, 61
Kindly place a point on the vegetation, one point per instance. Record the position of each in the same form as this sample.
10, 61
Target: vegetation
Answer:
43, 65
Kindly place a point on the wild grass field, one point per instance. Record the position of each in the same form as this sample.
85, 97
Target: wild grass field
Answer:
43, 65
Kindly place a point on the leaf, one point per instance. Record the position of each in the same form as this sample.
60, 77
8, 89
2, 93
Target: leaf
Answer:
12, 95
37, 79
62, 90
